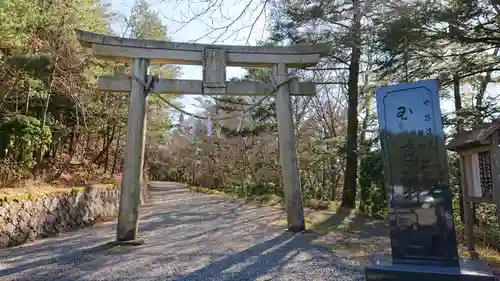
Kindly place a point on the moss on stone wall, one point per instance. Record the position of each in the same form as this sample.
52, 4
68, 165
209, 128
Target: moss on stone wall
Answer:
51, 193
26, 216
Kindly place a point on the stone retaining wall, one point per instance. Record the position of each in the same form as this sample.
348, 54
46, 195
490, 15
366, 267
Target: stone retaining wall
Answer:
28, 216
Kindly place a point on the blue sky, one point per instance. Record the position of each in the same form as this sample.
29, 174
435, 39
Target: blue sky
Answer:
175, 13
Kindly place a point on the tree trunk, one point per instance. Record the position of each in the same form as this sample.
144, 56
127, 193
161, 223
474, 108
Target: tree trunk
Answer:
108, 145
458, 103
87, 142
28, 101
65, 167
364, 147
350, 180
121, 164
332, 162
117, 147
72, 137
459, 128
55, 147
39, 156
364, 150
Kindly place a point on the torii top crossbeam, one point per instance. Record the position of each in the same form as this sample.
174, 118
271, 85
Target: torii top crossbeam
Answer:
124, 49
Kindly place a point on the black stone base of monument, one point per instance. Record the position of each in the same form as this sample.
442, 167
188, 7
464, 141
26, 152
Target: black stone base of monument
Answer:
382, 269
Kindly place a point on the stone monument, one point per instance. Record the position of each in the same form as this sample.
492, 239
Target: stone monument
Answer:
423, 238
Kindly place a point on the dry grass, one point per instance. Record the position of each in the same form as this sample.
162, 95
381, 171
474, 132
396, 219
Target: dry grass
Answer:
102, 219
347, 236
36, 187
77, 178
85, 176
31, 186
491, 256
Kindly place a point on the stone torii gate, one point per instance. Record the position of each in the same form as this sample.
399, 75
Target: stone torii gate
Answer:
214, 59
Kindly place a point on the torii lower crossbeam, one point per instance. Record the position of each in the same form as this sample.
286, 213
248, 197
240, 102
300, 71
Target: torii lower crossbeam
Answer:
122, 84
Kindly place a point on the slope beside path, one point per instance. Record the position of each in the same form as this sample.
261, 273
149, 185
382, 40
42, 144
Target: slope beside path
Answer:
199, 237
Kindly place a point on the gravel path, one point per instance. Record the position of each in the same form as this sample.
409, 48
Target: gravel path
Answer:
194, 237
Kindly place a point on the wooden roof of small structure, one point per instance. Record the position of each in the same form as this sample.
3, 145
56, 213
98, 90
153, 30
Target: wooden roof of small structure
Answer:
474, 138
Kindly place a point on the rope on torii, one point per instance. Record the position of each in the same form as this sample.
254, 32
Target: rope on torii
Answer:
276, 86
209, 118
259, 102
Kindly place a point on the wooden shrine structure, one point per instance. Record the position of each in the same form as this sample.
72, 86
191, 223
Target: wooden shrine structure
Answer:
479, 154
213, 59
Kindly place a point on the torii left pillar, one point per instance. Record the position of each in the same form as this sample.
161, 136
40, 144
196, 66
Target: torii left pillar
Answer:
130, 197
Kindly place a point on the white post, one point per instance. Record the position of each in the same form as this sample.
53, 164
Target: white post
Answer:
288, 153
144, 141
144, 134
130, 199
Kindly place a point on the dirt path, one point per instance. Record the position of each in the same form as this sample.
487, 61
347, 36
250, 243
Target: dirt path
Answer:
200, 237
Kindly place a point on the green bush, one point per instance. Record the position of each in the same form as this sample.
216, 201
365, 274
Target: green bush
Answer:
20, 136
372, 187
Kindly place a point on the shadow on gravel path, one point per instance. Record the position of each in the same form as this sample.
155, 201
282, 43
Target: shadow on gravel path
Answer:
278, 251
197, 237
